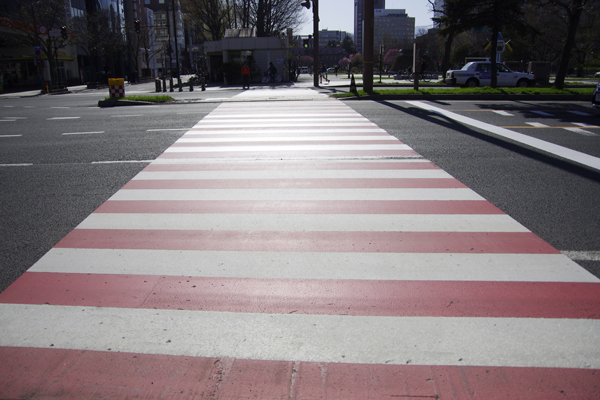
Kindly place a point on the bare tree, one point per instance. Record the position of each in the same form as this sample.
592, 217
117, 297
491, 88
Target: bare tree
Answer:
32, 18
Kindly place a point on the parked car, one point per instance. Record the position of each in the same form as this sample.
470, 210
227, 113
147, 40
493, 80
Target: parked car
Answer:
331, 70
597, 74
596, 97
304, 70
479, 73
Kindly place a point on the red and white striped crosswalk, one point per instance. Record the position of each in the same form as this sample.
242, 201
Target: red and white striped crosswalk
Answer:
295, 250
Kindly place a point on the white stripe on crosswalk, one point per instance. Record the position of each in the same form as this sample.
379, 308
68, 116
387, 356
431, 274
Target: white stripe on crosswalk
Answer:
286, 139
317, 265
297, 174
306, 222
296, 194
317, 147
510, 342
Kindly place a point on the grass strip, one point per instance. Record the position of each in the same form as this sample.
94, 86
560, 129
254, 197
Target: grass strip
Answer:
471, 91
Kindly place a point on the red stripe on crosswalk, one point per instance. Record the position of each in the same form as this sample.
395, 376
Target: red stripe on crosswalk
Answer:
337, 241
82, 374
282, 154
300, 207
311, 296
326, 183
292, 165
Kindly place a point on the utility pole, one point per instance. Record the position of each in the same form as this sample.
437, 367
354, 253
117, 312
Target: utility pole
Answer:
316, 67
368, 39
175, 35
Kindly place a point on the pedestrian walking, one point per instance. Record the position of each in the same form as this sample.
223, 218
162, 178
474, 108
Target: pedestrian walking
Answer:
323, 73
245, 75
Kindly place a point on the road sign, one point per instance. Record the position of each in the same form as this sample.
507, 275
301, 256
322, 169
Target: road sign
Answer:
42, 30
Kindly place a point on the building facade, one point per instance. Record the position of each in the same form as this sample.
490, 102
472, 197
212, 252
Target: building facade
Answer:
358, 21
393, 29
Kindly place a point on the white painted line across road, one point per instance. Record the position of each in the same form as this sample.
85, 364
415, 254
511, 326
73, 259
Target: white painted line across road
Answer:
564, 152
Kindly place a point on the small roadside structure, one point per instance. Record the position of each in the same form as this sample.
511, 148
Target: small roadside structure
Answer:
226, 56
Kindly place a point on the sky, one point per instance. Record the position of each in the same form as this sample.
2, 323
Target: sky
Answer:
338, 15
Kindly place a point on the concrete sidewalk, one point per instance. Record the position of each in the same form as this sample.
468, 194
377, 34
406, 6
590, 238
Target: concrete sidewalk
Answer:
295, 250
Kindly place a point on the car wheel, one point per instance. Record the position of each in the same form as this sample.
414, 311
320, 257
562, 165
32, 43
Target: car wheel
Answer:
472, 83
523, 83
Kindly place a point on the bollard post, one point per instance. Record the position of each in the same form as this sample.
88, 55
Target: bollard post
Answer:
164, 85
157, 85
179, 84
116, 88
171, 84
191, 85
203, 84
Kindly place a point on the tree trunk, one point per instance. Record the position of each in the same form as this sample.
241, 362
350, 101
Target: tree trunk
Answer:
447, 54
574, 16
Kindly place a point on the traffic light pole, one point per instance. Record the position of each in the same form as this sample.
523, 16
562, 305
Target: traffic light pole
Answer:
316, 69
368, 42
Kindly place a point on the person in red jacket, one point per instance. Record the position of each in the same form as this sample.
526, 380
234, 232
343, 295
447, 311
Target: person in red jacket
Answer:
245, 75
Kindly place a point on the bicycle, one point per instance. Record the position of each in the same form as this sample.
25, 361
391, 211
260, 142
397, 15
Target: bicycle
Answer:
424, 76
271, 79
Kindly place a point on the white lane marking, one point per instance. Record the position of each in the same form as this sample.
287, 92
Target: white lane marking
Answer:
569, 154
16, 165
306, 222
581, 113
582, 255
82, 133
497, 342
333, 147
7, 136
58, 118
314, 265
581, 131
584, 125
296, 194
543, 113
504, 113
121, 161
160, 130
537, 124
285, 139
298, 174
60, 107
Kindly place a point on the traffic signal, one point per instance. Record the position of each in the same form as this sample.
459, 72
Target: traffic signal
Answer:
306, 4
63, 32
305, 43
136, 23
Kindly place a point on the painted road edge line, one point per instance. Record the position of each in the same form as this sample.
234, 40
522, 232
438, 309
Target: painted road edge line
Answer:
569, 154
